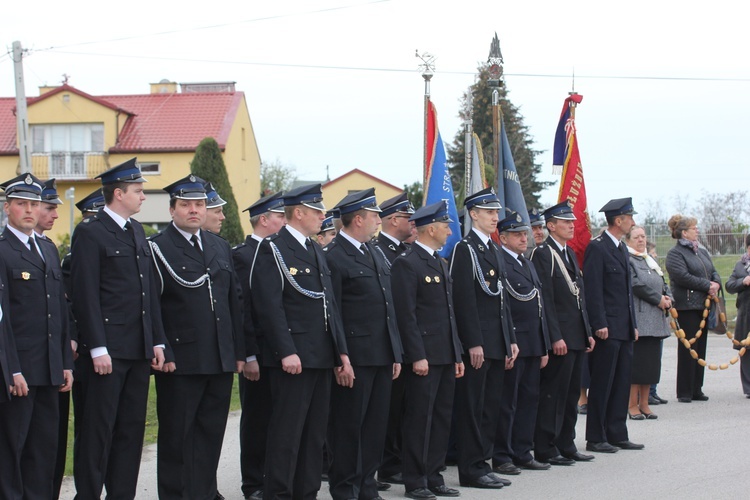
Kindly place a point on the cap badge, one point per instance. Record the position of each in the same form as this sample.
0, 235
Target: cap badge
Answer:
518, 218
192, 178
28, 179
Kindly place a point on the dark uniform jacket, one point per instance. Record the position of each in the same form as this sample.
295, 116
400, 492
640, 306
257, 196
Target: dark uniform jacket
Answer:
243, 256
293, 322
204, 329
115, 294
423, 295
362, 287
567, 318
529, 321
482, 319
38, 311
390, 249
609, 293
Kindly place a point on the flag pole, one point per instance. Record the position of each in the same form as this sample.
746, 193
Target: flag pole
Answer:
495, 70
428, 70
467, 149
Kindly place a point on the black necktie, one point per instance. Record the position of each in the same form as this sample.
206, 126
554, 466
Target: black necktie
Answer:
365, 251
309, 247
34, 249
129, 230
196, 244
565, 253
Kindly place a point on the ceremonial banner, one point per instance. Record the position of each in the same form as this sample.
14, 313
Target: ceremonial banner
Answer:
508, 183
567, 160
438, 184
477, 180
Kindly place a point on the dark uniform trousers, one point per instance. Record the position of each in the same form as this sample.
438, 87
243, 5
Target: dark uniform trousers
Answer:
116, 305
255, 396
391, 462
515, 434
567, 320
38, 318
359, 415
482, 320
205, 334
423, 296
293, 323
609, 302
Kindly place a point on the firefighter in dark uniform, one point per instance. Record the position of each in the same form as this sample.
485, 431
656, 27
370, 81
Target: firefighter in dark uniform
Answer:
395, 228
362, 287
570, 336
609, 302
117, 311
515, 434
304, 341
30, 269
423, 297
202, 318
489, 343
266, 218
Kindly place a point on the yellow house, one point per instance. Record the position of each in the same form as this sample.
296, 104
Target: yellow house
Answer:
74, 136
357, 180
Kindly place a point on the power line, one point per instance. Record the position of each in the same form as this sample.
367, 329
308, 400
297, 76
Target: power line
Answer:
402, 70
214, 26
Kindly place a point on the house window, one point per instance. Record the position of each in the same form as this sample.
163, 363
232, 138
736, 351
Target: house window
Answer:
68, 138
150, 167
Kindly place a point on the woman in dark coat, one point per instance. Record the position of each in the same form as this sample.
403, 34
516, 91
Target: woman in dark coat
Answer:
651, 299
693, 278
739, 283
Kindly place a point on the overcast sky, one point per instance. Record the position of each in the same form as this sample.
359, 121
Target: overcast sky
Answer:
335, 82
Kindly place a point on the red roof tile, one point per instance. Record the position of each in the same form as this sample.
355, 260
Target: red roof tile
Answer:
158, 122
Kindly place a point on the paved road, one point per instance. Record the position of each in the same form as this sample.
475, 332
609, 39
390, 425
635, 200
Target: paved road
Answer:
696, 450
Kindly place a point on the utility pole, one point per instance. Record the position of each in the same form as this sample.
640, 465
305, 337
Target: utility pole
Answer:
22, 118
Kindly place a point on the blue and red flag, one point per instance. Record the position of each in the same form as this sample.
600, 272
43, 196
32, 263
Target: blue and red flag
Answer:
567, 159
438, 183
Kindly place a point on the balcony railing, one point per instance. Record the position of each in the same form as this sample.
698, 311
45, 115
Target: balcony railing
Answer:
69, 165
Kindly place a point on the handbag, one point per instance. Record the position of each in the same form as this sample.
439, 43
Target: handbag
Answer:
718, 310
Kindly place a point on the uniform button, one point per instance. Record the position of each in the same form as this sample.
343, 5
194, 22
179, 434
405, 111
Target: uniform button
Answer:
141, 276
176, 339
47, 295
117, 251
106, 320
143, 293
144, 313
208, 269
218, 319
49, 315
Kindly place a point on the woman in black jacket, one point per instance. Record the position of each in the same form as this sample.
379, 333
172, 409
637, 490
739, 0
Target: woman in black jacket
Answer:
692, 277
739, 283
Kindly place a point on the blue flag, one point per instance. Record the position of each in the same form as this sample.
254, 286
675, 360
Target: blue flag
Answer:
508, 183
439, 184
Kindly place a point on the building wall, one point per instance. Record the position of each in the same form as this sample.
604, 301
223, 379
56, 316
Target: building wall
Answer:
334, 191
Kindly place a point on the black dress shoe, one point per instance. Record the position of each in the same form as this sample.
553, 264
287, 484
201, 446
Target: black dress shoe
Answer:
499, 479
628, 445
579, 457
660, 399
219, 496
653, 401
533, 465
420, 494
255, 495
508, 468
559, 460
700, 397
397, 478
487, 481
685, 400
382, 486
444, 491
601, 447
